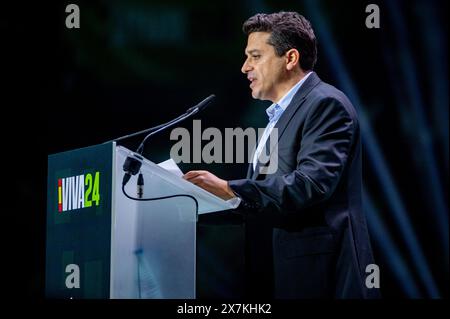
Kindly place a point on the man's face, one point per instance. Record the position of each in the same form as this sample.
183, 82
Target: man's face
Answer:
265, 70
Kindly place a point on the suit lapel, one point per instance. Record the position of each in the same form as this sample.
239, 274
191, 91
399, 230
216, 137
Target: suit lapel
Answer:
312, 81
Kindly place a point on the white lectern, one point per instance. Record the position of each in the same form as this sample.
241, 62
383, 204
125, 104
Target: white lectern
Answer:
102, 244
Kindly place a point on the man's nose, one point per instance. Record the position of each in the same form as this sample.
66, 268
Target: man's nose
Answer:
245, 67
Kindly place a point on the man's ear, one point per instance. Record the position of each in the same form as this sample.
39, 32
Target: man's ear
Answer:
292, 59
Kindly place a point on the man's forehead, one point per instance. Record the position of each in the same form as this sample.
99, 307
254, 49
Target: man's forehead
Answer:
257, 41
252, 51
259, 36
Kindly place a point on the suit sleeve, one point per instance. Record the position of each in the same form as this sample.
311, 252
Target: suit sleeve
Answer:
326, 144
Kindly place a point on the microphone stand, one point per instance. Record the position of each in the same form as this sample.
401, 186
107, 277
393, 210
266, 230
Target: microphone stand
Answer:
133, 164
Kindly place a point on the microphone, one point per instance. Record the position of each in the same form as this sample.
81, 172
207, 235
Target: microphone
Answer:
133, 163
202, 105
191, 111
195, 109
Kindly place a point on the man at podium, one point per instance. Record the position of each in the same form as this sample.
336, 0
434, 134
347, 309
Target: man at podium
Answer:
306, 233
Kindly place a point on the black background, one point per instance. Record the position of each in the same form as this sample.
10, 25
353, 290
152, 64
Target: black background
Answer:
64, 88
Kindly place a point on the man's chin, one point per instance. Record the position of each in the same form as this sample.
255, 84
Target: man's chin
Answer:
256, 95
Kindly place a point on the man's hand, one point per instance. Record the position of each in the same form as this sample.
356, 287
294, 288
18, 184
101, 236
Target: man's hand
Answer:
210, 183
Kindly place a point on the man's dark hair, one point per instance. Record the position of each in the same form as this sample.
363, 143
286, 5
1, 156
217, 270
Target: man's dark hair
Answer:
288, 30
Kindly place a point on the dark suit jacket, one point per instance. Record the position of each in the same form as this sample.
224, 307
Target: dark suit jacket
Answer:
306, 234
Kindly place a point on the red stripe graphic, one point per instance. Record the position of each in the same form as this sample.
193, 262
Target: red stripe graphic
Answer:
59, 195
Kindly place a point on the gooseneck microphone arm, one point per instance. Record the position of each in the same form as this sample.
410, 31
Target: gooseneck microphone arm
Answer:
133, 164
137, 133
162, 127
191, 111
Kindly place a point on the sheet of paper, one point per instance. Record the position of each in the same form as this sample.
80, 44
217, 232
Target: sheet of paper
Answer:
234, 202
172, 167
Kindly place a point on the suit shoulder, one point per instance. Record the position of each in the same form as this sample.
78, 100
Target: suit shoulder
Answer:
325, 93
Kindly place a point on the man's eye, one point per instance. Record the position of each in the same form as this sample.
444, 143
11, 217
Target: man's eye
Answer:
256, 56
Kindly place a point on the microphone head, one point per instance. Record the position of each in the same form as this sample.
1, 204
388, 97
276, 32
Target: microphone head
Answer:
203, 104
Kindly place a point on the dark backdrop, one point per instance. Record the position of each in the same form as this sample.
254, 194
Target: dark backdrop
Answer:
135, 64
